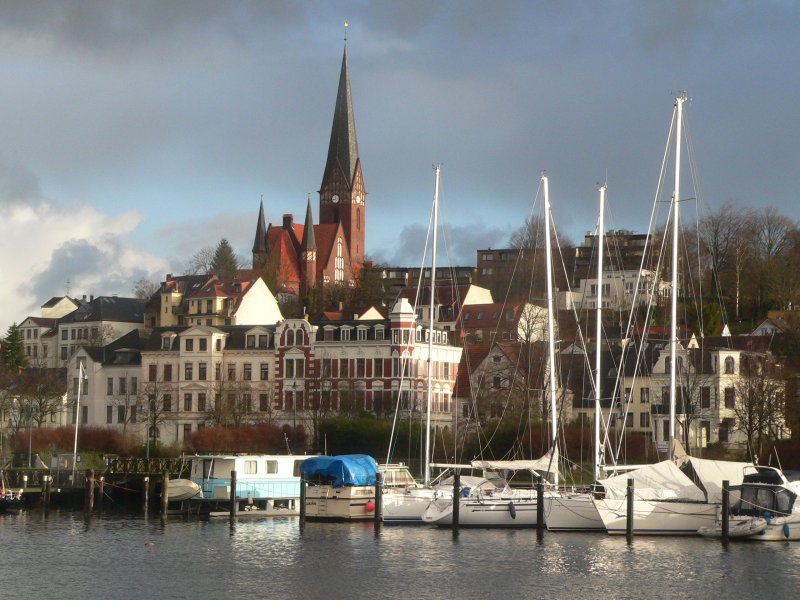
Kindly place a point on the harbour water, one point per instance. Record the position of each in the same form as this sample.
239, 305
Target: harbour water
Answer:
129, 556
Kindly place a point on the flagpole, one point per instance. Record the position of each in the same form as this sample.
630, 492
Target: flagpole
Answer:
77, 419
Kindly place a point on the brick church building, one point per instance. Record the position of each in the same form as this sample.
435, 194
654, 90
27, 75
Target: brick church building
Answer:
303, 256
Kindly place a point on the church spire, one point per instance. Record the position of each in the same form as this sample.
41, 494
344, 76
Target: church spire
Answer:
260, 243
309, 241
343, 148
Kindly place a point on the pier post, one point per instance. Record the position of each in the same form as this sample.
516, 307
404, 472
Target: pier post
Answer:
540, 506
89, 504
456, 500
629, 514
25, 482
46, 495
101, 492
234, 502
302, 500
164, 493
378, 501
726, 511
145, 494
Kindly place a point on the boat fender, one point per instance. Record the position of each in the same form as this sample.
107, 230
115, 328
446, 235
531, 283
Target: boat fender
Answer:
465, 492
512, 510
786, 530
369, 506
767, 517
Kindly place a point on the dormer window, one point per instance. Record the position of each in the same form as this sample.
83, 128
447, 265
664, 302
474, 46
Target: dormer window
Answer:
165, 343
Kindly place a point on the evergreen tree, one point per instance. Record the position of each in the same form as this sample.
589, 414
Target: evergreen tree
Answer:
224, 264
13, 355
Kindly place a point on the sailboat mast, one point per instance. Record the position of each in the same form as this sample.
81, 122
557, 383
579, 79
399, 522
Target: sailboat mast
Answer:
550, 320
598, 449
427, 478
673, 335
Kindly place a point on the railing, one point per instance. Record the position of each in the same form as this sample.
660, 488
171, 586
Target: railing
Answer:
176, 467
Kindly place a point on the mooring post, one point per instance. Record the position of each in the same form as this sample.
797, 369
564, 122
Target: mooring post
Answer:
164, 493
726, 511
101, 491
234, 502
629, 515
378, 501
46, 495
456, 500
25, 482
89, 504
302, 500
540, 506
145, 494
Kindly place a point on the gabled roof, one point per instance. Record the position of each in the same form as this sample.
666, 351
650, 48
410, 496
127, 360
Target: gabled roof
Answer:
42, 321
56, 299
235, 336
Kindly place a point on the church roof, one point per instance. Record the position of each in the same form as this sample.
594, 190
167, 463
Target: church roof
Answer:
343, 148
260, 243
309, 240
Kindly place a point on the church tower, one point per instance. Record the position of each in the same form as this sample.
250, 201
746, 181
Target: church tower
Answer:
342, 197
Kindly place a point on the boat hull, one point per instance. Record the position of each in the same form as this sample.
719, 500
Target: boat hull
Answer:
571, 512
348, 503
519, 510
182, 489
738, 528
780, 529
656, 517
406, 508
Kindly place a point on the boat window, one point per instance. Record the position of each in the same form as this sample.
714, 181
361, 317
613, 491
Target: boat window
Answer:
272, 466
783, 502
764, 499
250, 467
296, 470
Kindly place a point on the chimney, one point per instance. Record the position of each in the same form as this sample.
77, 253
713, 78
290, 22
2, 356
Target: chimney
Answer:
169, 276
287, 221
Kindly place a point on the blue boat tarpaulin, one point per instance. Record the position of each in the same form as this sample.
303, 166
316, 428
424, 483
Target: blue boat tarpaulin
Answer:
338, 471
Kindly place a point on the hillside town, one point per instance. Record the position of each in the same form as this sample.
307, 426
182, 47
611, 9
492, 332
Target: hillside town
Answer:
312, 329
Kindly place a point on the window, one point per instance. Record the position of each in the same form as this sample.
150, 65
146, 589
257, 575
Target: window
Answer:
263, 402
496, 382
187, 430
628, 418
110, 387
289, 337
264, 371
644, 395
327, 334
63, 353
165, 343
188, 369
730, 397
344, 370
152, 373
134, 386
201, 402
250, 467
362, 334
377, 367
231, 371
167, 372
187, 402
730, 366
251, 341
294, 367
644, 420
109, 414
218, 344
217, 371
167, 403
345, 335
203, 344
247, 374
379, 333
247, 403
705, 397
262, 341
123, 386
189, 346
202, 373
361, 367
120, 414
64, 334
272, 467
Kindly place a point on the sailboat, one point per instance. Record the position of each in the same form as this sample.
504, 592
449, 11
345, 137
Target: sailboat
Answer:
406, 505
569, 510
489, 501
666, 501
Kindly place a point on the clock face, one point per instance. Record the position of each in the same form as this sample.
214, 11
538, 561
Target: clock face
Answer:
358, 199
335, 198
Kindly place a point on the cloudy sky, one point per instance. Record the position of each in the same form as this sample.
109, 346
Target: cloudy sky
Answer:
134, 133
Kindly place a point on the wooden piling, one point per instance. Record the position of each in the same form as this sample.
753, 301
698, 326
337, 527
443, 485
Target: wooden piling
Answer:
726, 511
234, 502
540, 506
164, 493
456, 500
145, 494
302, 500
101, 492
378, 501
629, 515
89, 502
46, 495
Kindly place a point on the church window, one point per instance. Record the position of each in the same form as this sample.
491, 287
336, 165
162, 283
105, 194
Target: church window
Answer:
338, 274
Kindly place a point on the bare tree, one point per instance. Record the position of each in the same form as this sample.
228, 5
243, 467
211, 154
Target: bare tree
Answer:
156, 400
144, 289
759, 406
200, 262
